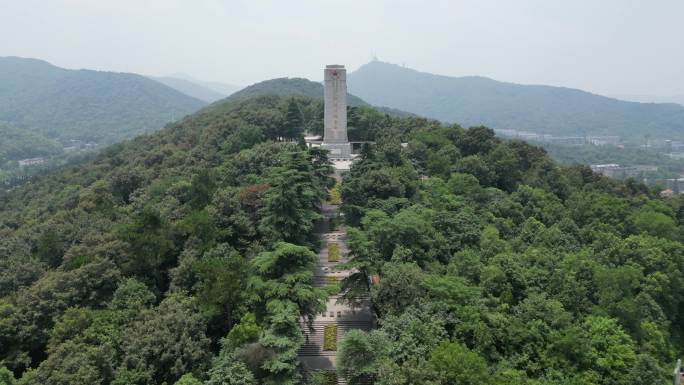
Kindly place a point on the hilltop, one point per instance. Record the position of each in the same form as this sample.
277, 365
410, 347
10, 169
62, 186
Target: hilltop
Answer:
493, 261
475, 100
95, 106
306, 88
290, 87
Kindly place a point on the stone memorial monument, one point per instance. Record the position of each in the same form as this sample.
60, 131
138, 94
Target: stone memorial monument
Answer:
335, 115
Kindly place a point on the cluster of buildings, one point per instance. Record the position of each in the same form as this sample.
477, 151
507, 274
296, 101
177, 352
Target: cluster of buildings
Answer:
609, 140
614, 170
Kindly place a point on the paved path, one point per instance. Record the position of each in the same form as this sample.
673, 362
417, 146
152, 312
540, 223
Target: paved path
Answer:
345, 317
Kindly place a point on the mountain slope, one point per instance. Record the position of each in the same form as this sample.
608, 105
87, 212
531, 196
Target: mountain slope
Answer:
190, 88
88, 105
221, 88
481, 101
679, 99
19, 143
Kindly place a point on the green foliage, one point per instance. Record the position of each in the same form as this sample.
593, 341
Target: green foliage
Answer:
335, 198
246, 331
456, 364
511, 270
362, 355
166, 342
134, 266
291, 201
132, 295
6, 377
282, 294
20, 143
323, 377
293, 125
330, 337
221, 279
188, 379
74, 363
228, 370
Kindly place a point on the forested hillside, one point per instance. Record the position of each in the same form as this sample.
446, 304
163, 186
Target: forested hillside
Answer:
21, 144
96, 106
473, 101
309, 89
186, 256
496, 266
290, 87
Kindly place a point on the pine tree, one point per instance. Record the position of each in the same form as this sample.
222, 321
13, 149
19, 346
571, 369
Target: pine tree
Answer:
293, 125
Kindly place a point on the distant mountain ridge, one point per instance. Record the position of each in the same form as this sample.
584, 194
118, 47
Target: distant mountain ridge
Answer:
472, 101
679, 99
203, 90
220, 87
190, 88
103, 107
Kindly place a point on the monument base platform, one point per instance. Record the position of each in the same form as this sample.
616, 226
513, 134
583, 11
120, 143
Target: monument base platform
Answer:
338, 150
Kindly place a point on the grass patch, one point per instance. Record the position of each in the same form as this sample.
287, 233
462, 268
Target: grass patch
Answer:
330, 280
330, 338
333, 252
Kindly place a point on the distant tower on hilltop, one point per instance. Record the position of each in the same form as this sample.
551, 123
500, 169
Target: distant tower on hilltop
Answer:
335, 116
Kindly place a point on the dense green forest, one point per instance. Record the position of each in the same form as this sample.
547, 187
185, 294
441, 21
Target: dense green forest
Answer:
475, 100
96, 106
497, 266
186, 256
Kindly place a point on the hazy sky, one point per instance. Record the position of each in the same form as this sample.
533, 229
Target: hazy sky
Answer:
603, 46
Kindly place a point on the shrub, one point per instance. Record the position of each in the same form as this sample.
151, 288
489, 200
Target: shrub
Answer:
332, 289
329, 377
330, 338
335, 197
333, 252
323, 377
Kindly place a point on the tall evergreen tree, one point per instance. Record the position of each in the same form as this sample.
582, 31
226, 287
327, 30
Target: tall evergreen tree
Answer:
294, 124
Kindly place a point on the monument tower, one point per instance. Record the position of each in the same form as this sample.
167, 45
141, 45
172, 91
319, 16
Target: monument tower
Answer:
335, 114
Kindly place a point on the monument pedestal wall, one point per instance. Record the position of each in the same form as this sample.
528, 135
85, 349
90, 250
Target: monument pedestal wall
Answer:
338, 150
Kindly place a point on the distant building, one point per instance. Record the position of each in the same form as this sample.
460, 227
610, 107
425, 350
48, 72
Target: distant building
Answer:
612, 170
31, 162
667, 193
603, 140
564, 140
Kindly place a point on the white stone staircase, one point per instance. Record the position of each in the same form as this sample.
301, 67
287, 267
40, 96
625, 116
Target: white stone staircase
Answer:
346, 317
